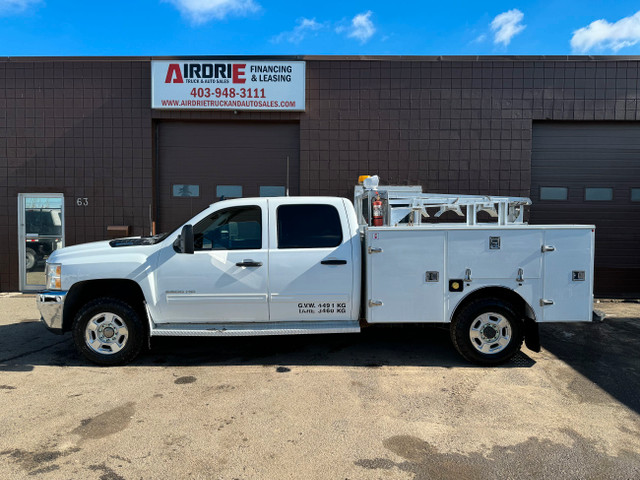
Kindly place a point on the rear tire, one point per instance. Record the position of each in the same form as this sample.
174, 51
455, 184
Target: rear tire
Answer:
487, 331
108, 331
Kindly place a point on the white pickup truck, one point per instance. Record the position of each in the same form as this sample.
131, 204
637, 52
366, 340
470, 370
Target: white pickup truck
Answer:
296, 265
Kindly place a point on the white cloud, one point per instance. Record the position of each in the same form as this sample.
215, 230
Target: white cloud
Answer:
480, 38
17, 6
602, 34
304, 27
507, 25
362, 27
202, 11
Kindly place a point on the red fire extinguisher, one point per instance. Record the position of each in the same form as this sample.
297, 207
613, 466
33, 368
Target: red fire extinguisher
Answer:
377, 211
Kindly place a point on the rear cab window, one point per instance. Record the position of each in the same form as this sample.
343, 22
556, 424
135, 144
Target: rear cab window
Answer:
308, 226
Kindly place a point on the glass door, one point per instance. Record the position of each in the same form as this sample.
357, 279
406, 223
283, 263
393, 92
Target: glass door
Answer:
40, 232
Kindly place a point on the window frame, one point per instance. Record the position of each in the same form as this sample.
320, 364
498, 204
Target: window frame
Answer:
185, 196
222, 210
277, 225
566, 199
229, 197
598, 200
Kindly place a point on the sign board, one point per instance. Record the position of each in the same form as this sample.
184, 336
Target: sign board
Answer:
227, 85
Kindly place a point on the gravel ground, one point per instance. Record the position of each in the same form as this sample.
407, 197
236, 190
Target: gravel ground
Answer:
390, 403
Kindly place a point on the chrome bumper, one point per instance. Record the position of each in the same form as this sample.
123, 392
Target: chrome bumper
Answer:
51, 305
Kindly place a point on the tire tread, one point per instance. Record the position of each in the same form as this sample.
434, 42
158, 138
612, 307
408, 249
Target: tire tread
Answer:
135, 325
460, 333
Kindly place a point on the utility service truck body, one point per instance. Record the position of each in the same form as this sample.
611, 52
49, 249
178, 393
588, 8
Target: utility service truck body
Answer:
294, 265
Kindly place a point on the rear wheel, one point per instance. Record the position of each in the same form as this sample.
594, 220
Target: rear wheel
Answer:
487, 331
108, 331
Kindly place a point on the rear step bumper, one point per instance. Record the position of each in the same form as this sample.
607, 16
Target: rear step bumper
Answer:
252, 329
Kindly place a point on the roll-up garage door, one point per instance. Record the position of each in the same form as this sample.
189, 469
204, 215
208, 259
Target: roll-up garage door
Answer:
589, 173
201, 162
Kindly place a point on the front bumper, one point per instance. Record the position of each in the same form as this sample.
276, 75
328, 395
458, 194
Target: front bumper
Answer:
51, 306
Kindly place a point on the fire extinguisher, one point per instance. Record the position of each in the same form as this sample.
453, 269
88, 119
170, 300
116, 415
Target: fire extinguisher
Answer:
377, 211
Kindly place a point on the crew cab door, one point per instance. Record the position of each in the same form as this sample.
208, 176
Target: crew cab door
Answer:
311, 260
225, 279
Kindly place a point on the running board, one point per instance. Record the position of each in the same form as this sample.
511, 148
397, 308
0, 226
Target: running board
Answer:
252, 329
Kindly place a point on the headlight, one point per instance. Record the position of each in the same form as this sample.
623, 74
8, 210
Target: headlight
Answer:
54, 274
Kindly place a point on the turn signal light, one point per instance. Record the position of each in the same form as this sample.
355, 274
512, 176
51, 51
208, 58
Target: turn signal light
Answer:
53, 276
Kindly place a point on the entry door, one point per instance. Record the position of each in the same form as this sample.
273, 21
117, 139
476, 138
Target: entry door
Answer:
40, 232
225, 280
311, 267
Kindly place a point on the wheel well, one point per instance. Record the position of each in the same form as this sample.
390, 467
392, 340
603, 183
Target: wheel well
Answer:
83, 292
523, 308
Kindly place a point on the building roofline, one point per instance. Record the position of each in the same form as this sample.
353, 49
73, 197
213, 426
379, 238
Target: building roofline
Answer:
370, 58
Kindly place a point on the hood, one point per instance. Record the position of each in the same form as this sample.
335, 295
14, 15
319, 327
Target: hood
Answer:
97, 249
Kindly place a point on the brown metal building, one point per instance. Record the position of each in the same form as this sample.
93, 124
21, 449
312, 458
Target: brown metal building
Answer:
81, 146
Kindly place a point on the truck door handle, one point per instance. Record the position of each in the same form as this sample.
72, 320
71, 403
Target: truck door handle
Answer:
467, 275
547, 248
248, 263
333, 262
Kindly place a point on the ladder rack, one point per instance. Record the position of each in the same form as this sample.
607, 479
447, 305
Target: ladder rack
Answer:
407, 205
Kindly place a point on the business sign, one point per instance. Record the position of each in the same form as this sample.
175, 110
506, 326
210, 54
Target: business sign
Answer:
227, 85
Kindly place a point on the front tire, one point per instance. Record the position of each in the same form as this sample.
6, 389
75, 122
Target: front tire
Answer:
487, 331
108, 331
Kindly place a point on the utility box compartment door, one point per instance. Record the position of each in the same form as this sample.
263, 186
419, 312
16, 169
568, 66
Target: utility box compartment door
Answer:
568, 275
495, 254
407, 276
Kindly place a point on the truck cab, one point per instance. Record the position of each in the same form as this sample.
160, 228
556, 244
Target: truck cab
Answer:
251, 266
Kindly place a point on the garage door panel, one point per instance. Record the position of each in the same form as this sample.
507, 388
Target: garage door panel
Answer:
579, 155
209, 154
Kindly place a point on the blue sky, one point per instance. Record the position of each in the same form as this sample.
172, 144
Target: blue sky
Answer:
256, 27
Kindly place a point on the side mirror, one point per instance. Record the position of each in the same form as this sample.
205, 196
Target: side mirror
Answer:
186, 239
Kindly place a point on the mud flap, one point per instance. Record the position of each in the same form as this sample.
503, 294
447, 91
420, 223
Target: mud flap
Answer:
531, 335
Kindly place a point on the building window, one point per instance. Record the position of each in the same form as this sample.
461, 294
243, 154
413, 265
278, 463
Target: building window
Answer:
308, 226
229, 191
635, 194
553, 193
185, 190
598, 194
272, 191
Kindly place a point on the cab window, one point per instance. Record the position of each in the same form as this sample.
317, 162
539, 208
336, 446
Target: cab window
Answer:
308, 226
236, 228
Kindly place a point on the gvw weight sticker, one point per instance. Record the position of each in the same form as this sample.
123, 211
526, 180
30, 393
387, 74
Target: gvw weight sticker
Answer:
321, 308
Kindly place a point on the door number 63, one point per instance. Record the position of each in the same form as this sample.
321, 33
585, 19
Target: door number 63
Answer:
82, 201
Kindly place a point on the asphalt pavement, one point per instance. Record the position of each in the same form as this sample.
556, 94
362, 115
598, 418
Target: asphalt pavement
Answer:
389, 403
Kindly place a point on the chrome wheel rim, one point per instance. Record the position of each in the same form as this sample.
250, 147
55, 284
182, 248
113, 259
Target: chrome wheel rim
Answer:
106, 333
490, 333
31, 260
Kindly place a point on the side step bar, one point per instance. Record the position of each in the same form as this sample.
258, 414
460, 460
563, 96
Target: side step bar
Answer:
252, 329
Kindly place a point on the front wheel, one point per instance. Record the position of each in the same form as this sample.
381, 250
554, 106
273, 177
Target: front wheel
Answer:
108, 331
487, 331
